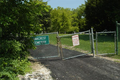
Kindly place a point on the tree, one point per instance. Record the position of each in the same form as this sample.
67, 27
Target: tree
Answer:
79, 17
17, 21
61, 19
102, 14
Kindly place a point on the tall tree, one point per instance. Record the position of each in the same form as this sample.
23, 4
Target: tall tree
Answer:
79, 17
61, 19
18, 20
102, 14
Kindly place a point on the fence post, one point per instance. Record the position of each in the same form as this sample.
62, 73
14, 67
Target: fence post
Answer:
96, 43
90, 40
93, 49
116, 37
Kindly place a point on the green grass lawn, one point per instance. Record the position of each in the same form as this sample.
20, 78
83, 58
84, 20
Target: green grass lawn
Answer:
83, 40
106, 43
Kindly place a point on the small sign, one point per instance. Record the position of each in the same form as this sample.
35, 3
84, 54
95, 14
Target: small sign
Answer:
41, 40
75, 40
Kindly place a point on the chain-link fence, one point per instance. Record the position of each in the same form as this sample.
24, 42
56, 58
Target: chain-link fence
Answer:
105, 43
71, 48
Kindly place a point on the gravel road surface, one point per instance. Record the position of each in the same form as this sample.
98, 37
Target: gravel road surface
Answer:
83, 68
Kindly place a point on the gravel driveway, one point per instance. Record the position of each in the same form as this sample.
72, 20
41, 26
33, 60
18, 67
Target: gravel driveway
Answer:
83, 68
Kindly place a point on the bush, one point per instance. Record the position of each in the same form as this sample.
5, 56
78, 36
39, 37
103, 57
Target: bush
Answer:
10, 49
13, 60
14, 49
9, 69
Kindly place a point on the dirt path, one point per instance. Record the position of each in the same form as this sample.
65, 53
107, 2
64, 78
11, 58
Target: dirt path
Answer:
84, 68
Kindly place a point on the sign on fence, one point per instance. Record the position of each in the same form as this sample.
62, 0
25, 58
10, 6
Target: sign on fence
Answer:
41, 40
75, 40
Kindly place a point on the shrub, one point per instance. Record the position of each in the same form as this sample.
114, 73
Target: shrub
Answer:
10, 49
9, 69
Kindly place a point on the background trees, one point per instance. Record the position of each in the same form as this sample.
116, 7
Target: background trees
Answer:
79, 17
99, 14
61, 19
102, 14
67, 20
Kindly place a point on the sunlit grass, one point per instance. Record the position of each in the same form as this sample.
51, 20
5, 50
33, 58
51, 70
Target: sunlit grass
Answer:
106, 43
83, 40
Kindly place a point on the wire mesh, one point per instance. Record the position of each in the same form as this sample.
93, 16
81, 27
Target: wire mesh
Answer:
70, 51
105, 43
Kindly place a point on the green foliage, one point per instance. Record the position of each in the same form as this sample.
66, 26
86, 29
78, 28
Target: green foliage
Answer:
67, 20
41, 16
79, 17
9, 69
102, 14
16, 25
10, 49
17, 21
14, 49
61, 19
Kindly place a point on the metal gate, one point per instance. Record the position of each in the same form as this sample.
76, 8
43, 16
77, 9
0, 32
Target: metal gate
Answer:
67, 50
43, 51
105, 43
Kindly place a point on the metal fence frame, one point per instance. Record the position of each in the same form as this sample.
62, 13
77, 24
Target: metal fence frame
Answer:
58, 49
88, 32
114, 32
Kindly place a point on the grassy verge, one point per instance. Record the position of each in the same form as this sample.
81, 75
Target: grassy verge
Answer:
114, 56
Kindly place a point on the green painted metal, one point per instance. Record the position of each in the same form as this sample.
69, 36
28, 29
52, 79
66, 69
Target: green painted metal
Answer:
41, 40
116, 37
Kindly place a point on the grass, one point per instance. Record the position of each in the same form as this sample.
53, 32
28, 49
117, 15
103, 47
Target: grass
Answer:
114, 56
84, 42
106, 43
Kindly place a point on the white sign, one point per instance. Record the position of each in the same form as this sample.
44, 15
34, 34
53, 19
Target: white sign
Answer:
75, 40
